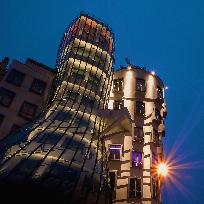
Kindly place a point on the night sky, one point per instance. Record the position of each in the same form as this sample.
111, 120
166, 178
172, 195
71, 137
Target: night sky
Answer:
165, 36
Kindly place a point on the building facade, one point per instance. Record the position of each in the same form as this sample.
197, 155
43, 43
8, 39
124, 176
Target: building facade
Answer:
133, 138
24, 92
61, 150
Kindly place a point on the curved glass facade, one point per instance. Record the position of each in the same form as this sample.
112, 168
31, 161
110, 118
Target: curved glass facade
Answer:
62, 150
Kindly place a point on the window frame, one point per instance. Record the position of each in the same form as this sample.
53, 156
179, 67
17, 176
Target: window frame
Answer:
11, 79
141, 112
131, 160
135, 137
12, 96
118, 86
118, 104
22, 115
33, 83
135, 183
109, 152
145, 85
115, 183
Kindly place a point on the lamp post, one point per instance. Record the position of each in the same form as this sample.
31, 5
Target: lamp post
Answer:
162, 171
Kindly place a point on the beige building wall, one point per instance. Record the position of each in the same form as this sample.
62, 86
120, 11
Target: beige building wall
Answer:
10, 114
151, 122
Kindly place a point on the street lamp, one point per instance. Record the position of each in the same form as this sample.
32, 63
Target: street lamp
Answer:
162, 169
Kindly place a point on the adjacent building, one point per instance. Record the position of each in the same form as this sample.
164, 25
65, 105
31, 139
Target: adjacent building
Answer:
24, 92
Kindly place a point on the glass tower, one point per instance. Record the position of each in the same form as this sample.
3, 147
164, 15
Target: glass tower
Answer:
60, 154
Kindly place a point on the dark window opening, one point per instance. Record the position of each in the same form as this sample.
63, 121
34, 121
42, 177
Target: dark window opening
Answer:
28, 110
118, 105
159, 93
135, 188
157, 115
87, 102
114, 152
112, 177
1, 118
154, 189
140, 108
51, 139
118, 85
138, 134
15, 77
38, 86
6, 97
140, 85
136, 159
156, 137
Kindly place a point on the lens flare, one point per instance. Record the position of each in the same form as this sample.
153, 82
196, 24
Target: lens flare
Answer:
162, 169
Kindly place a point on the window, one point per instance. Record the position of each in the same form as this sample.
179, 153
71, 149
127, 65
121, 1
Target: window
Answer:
27, 110
157, 115
118, 85
159, 93
38, 86
1, 118
112, 177
154, 189
51, 139
138, 134
6, 97
156, 137
114, 152
87, 102
136, 159
140, 85
94, 82
154, 159
140, 107
14, 129
63, 116
135, 190
77, 75
118, 105
15, 77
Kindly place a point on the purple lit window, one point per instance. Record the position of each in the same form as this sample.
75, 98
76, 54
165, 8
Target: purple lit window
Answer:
114, 152
136, 159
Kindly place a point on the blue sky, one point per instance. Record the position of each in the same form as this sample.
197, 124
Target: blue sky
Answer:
166, 36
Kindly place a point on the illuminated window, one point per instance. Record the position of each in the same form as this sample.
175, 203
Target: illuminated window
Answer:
118, 85
114, 152
28, 110
159, 93
1, 118
6, 97
38, 86
136, 159
135, 190
118, 105
15, 77
140, 108
138, 134
140, 85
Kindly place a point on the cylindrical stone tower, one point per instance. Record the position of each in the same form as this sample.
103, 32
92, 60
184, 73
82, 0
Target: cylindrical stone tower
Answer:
134, 152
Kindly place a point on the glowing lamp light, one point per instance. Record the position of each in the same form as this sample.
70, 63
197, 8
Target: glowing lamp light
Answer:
153, 72
162, 169
129, 67
166, 87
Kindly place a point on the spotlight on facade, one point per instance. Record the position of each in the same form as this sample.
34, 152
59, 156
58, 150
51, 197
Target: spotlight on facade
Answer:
162, 169
153, 72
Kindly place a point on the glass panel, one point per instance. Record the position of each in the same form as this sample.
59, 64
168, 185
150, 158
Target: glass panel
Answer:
136, 159
6, 97
38, 86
